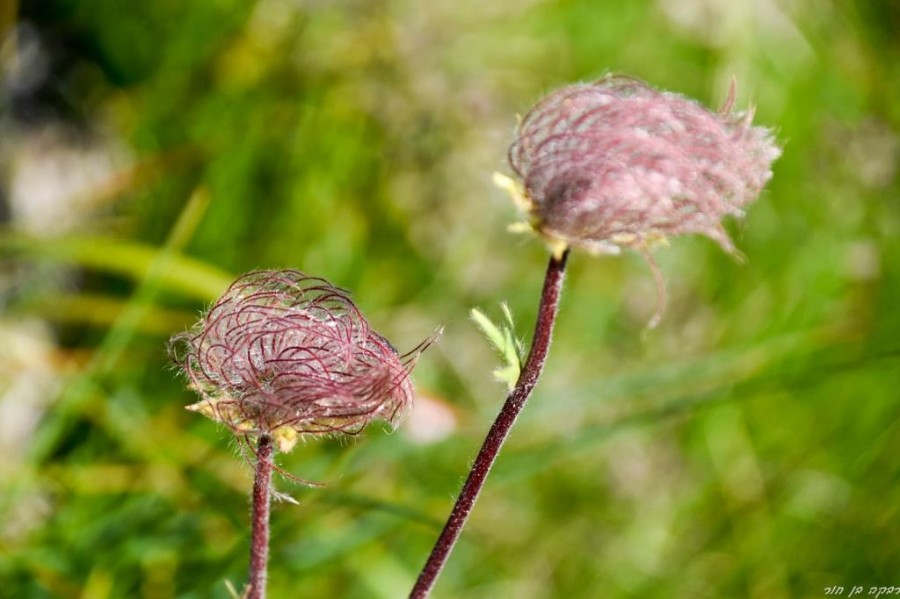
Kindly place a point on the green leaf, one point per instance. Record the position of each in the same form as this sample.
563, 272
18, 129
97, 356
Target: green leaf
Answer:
503, 339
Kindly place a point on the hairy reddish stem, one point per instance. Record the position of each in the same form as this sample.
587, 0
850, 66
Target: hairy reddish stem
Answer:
540, 345
259, 540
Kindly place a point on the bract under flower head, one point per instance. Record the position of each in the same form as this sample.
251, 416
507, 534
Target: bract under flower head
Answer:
287, 354
617, 163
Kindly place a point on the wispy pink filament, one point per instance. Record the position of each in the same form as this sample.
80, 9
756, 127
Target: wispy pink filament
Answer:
617, 163
283, 349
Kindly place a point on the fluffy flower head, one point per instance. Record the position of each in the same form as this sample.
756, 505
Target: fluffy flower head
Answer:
287, 354
616, 163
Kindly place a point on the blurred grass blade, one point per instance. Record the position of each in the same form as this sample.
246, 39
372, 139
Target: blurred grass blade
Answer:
103, 311
742, 375
153, 269
187, 276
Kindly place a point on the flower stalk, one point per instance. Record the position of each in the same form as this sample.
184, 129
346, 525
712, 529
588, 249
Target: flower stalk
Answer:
283, 355
262, 500
537, 356
604, 166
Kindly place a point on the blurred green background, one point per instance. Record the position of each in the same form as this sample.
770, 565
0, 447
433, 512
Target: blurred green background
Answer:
151, 151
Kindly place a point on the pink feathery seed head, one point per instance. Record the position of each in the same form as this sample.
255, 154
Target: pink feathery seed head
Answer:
617, 163
287, 354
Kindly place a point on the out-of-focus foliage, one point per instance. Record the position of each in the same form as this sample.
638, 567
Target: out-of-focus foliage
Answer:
151, 151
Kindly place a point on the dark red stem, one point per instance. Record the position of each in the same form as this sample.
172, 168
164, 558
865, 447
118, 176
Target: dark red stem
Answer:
259, 539
540, 344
